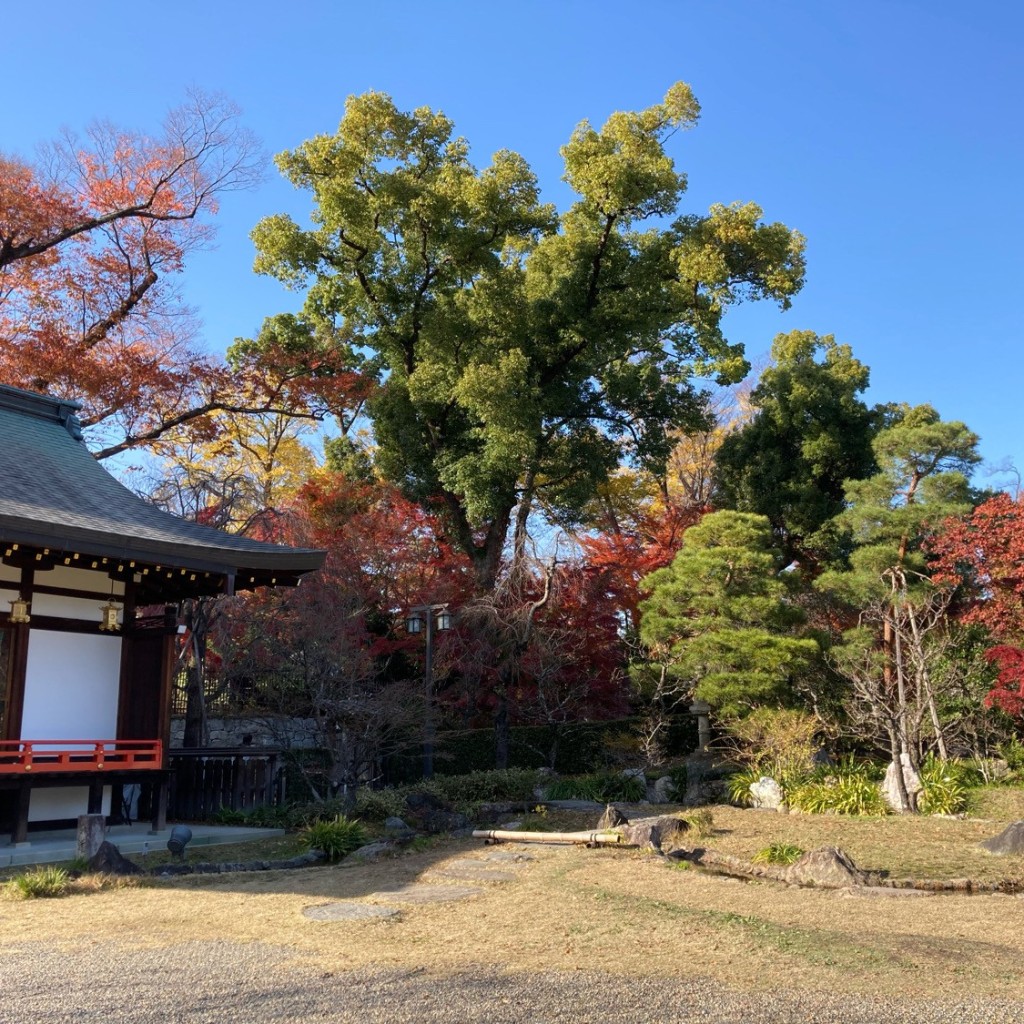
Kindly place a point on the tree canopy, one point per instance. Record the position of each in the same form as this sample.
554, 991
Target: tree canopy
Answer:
521, 352
719, 617
811, 434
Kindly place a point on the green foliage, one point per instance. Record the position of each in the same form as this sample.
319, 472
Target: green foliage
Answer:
509, 340
1012, 752
810, 435
604, 787
719, 618
479, 787
848, 789
379, 804
44, 882
779, 853
739, 783
946, 785
334, 838
777, 742
922, 478
702, 823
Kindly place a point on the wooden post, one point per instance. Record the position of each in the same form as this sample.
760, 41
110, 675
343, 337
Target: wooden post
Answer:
20, 834
95, 805
160, 804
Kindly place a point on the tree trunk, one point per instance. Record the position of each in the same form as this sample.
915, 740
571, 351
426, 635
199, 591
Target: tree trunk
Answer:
501, 732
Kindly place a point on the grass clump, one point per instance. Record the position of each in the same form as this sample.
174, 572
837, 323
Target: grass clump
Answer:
336, 838
946, 786
702, 823
44, 882
846, 790
779, 853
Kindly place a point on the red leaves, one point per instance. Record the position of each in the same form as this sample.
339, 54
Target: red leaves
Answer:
984, 553
1008, 693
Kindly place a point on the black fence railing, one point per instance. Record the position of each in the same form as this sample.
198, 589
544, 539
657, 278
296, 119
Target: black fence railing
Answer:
210, 779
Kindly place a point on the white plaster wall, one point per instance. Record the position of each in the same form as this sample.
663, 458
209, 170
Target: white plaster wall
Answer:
9, 575
87, 608
71, 690
61, 803
79, 579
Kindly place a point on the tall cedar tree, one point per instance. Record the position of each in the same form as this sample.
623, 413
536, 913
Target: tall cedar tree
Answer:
523, 353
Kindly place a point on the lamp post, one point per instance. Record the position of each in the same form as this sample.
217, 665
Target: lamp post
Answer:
426, 618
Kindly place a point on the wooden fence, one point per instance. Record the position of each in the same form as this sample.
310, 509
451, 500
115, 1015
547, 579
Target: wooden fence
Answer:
209, 779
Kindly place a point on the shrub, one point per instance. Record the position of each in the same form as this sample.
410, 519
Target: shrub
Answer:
779, 853
778, 742
843, 792
477, 787
336, 838
604, 787
42, 882
378, 804
946, 786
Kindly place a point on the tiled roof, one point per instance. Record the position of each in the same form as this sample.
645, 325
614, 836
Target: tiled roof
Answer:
54, 494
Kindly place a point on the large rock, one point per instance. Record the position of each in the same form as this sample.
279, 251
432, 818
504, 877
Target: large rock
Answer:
663, 791
109, 861
428, 813
828, 867
1009, 842
890, 785
663, 833
767, 793
612, 818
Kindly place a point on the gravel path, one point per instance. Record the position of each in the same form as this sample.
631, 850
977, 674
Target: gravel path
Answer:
218, 982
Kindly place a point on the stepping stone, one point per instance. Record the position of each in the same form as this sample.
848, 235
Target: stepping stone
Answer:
473, 871
880, 892
427, 894
347, 912
507, 857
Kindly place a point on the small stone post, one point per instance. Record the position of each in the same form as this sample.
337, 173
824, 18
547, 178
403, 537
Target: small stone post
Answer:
701, 710
92, 831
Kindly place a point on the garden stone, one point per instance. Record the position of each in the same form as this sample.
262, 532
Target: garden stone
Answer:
663, 833
348, 912
767, 794
394, 824
1009, 842
828, 867
428, 813
92, 832
611, 818
421, 893
890, 787
109, 861
663, 791
373, 851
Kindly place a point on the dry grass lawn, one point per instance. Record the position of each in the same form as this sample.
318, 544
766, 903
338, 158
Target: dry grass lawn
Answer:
618, 911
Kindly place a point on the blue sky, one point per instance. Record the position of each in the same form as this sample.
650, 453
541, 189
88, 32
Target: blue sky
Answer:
889, 133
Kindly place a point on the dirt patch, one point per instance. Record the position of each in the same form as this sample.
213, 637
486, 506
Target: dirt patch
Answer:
622, 912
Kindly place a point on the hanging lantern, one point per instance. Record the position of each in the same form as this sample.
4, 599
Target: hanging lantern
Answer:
444, 619
19, 610
108, 617
414, 623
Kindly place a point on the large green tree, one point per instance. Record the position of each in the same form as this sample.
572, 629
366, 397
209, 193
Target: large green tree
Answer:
811, 434
523, 354
720, 619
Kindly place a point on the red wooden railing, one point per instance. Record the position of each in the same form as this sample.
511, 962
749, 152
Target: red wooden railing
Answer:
46, 756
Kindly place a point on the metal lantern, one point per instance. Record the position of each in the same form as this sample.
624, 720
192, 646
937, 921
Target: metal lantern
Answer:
414, 623
444, 619
19, 610
108, 620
